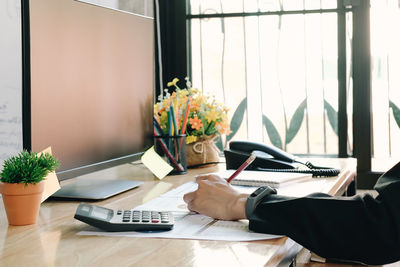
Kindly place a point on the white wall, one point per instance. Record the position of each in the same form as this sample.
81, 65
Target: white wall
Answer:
10, 79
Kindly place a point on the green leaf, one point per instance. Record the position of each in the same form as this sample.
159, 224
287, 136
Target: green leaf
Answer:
296, 121
27, 167
396, 112
272, 132
237, 118
332, 116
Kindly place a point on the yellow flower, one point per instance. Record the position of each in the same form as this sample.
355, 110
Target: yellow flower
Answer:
165, 103
182, 93
191, 139
164, 119
193, 91
173, 83
212, 115
156, 108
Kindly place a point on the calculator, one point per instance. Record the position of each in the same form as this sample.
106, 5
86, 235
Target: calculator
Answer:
124, 220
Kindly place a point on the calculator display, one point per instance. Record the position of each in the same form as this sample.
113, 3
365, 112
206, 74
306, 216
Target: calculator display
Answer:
100, 213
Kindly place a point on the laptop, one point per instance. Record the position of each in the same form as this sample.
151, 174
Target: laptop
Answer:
94, 189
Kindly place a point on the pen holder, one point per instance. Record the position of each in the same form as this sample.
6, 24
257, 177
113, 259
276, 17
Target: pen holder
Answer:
173, 149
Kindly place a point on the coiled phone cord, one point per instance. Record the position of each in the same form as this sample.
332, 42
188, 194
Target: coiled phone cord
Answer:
316, 171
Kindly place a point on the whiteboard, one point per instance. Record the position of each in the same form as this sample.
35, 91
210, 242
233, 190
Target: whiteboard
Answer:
10, 79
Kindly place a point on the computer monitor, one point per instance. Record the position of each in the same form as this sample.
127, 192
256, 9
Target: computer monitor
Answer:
91, 89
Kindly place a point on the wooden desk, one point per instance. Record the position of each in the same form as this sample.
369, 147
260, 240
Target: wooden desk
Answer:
53, 240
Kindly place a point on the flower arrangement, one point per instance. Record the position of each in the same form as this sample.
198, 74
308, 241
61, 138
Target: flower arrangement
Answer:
196, 115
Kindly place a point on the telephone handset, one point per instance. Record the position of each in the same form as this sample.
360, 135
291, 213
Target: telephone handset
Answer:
270, 158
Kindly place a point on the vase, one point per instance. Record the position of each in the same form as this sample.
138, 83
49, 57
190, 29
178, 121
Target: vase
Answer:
202, 152
22, 202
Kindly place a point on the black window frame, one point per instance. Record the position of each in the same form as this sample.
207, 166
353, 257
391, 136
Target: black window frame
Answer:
174, 33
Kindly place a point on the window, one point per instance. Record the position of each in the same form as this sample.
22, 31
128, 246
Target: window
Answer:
314, 77
385, 44
281, 72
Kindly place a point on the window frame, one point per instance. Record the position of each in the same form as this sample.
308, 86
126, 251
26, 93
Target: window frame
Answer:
174, 34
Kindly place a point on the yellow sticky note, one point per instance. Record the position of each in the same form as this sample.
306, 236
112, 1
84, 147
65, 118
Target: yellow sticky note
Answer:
51, 184
156, 164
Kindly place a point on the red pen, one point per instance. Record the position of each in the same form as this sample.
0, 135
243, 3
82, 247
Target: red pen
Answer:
242, 167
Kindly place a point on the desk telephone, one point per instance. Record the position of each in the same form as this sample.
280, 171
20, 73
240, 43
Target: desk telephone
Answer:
270, 158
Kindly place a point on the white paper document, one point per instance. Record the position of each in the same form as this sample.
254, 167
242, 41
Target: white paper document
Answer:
188, 225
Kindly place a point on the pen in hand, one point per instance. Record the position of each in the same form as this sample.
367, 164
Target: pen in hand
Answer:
242, 167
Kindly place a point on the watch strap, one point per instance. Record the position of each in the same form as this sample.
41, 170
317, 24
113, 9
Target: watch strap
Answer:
255, 198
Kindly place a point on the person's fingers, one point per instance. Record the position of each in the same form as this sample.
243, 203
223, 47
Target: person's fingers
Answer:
209, 177
188, 197
202, 177
190, 206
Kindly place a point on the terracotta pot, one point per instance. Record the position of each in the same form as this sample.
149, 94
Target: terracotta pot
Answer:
22, 202
202, 151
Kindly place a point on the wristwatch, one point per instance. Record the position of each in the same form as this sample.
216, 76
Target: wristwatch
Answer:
255, 198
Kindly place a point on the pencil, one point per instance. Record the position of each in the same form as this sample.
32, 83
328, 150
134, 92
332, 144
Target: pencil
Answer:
242, 167
175, 130
174, 121
185, 119
169, 128
157, 125
187, 110
177, 165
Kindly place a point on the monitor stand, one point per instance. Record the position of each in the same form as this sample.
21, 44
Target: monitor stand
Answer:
94, 189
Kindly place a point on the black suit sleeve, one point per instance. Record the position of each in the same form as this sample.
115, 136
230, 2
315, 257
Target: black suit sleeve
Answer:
359, 228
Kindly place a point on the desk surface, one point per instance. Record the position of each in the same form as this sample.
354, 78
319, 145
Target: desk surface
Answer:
53, 240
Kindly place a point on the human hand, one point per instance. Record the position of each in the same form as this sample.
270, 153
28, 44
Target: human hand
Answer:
217, 199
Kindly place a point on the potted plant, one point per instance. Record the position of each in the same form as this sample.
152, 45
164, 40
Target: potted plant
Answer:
207, 119
21, 185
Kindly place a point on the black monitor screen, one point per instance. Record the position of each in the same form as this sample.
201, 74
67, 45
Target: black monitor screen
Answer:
92, 84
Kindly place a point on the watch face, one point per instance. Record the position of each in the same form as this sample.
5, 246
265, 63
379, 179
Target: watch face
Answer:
258, 191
